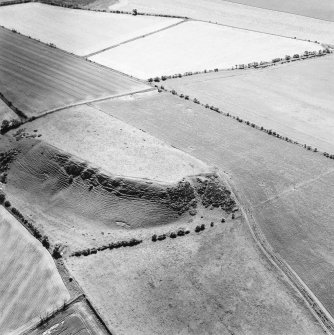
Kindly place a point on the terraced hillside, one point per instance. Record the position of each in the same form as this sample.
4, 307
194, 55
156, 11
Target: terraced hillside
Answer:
281, 183
37, 78
30, 285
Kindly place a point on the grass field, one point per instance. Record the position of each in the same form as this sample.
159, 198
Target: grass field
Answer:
241, 16
323, 10
113, 145
37, 78
263, 169
295, 100
30, 285
77, 31
195, 46
6, 113
214, 282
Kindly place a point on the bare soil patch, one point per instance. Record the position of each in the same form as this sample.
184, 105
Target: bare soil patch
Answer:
79, 31
196, 46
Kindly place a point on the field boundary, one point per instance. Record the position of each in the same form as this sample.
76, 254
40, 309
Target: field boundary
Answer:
248, 123
85, 102
50, 45
134, 38
256, 31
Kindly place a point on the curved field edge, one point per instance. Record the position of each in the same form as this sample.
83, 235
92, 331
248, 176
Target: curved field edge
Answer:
30, 284
249, 157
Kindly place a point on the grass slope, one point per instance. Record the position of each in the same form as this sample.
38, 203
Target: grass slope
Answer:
264, 169
195, 46
49, 78
214, 282
30, 285
240, 16
295, 100
77, 31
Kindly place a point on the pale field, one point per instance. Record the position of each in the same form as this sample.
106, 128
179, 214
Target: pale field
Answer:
215, 282
323, 10
262, 169
114, 146
77, 31
6, 113
30, 285
296, 100
49, 78
239, 15
195, 46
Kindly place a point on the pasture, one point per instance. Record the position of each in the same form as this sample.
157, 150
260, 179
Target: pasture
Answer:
196, 46
30, 285
242, 16
77, 31
213, 282
36, 78
295, 100
113, 145
263, 169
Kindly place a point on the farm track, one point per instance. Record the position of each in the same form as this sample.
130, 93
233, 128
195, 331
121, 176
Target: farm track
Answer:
318, 310
135, 38
88, 102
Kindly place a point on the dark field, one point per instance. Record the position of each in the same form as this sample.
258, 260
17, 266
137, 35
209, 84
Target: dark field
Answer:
37, 78
283, 184
323, 9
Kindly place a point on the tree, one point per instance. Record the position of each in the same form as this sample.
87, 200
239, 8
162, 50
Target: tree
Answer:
134, 12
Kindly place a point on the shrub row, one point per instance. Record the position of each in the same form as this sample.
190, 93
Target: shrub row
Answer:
287, 58
250, 124
179, 233
115, 245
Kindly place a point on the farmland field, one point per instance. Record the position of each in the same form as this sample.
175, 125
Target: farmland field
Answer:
30, 285
296, 99
323, 10
6, 113
263, 169
240, 16
37, 78
195, 46
78, 31
214, 282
